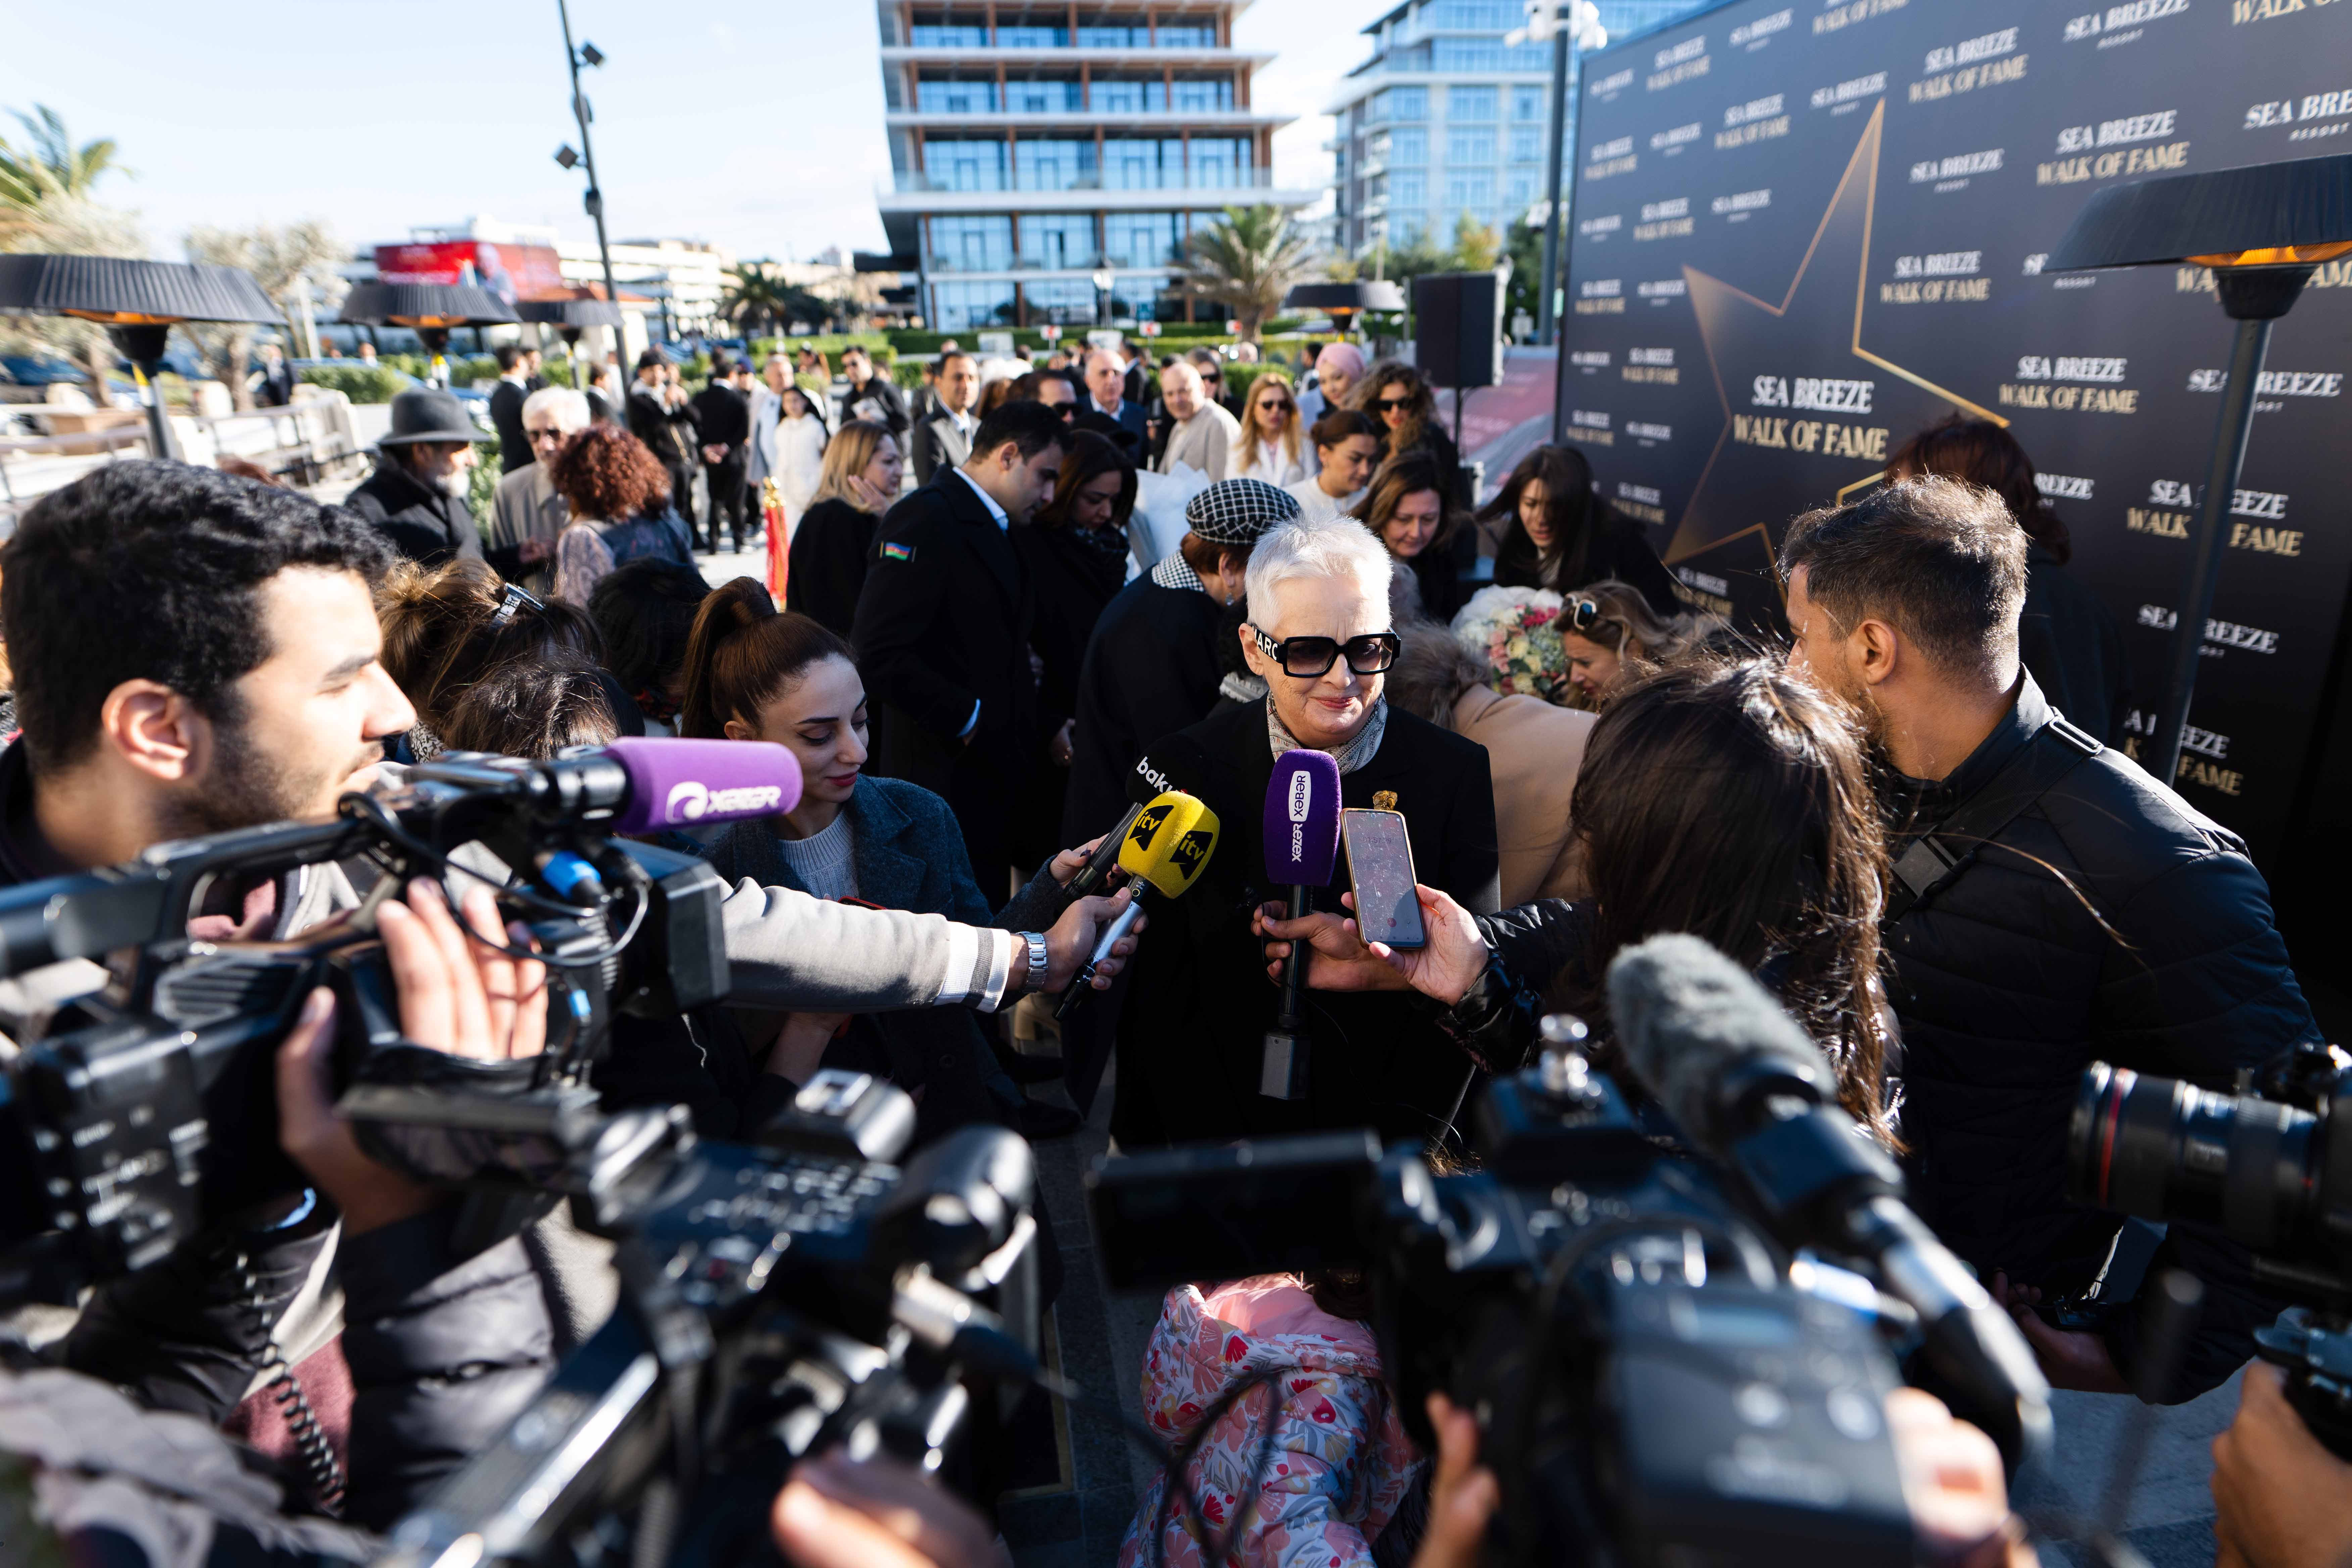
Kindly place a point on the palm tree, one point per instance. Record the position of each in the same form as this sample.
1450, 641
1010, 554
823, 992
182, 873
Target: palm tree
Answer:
45, 204
755, 296
53, 166
1247, 262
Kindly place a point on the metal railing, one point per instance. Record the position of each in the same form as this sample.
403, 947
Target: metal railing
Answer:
910, 184
300, 442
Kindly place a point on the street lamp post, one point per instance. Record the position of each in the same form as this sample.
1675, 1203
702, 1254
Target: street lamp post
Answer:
595, 200
1570, 25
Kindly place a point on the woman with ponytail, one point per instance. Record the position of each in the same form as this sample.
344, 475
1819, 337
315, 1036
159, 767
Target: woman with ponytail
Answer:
755, 673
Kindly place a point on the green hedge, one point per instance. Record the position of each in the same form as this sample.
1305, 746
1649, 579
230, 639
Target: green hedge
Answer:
876, 345
360, 382
482, 481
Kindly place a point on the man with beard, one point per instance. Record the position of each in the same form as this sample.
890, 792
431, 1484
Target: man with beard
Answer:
416, 497
2052, 906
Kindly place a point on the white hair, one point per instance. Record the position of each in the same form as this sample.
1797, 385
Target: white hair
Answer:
1305, 550
569, 407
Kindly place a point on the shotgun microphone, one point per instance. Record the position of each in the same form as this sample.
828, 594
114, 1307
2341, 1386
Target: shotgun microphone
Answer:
1302, 843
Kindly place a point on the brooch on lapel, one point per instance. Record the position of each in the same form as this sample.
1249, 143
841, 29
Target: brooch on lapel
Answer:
895, 552
1384, 800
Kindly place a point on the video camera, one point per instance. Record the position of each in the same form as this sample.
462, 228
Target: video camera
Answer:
776, 1301
1665, 1363
2271, 1168
148, 1111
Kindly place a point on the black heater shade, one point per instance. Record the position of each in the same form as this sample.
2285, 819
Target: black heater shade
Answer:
119, 292
425, 305
2271, 215
572, 314
1344, 299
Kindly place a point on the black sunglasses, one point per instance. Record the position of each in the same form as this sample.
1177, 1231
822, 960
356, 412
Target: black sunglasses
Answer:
1585, 616
1391, 405
1309, 657
512, 601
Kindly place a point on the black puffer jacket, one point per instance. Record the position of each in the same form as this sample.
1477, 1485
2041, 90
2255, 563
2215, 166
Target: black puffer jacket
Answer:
2107, 921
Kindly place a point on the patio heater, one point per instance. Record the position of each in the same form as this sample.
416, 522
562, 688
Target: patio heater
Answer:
139, 303
431, 310
2263, 231
1343, 302
569, 318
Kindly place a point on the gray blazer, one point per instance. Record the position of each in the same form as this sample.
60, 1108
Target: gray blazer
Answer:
767, 407
527, 507
938, 445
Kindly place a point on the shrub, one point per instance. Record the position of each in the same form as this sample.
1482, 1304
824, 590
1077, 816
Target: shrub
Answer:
360, 382
482, 481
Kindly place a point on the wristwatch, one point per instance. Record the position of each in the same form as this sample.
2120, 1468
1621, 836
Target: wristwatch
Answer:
1035, 980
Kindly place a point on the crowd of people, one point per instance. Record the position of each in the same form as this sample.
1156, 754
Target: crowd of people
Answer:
1908, 818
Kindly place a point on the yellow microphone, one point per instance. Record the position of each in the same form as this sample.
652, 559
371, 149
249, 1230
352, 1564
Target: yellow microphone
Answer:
1164, 852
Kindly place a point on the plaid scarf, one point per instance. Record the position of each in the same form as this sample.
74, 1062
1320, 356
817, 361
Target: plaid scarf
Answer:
1351, 756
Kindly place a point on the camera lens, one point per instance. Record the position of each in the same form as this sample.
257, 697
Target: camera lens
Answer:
2163, 1148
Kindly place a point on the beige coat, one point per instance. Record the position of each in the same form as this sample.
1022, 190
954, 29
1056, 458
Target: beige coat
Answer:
527, 507
1206, 441
1534, 750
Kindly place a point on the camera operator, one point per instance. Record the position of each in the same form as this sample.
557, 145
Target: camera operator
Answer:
195, 653
2051, 905
445, 1345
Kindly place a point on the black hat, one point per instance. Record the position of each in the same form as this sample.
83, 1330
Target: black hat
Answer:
424, 414
1235, 511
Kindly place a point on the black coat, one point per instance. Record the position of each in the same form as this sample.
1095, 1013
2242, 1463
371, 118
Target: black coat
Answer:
831, 547
887, 401
425, 525
1191, 1034
2008, 986
667, 432
2067, 640
1150, 669
505, 414
722, 418
942, 628
1076, 581
1612, 547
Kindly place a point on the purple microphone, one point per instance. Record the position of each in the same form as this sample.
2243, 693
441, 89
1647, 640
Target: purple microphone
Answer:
1302, 844
688, 783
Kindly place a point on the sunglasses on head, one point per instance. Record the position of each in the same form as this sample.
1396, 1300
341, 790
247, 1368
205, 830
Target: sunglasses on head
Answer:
511, 603
1368, 655
1585, 618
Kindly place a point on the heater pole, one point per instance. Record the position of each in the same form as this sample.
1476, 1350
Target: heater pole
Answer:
2206, 539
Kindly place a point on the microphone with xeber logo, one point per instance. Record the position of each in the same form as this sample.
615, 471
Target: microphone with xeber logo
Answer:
1302, 844
693, 783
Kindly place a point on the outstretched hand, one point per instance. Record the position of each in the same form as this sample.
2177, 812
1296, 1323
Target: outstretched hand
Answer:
1446, 968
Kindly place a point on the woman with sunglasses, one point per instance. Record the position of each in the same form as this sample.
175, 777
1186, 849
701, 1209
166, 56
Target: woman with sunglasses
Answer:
1614, 639
1192, 1030
1270, 448
1406, 510
1401, 403
1549, 530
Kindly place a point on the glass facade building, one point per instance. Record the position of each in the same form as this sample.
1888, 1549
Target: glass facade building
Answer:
1447, 120
1033, 145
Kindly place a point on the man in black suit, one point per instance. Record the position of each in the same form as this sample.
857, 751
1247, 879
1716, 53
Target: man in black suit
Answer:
880, 400
273, 380
1106, 394
943, 437
722, 413
506, 408
660, 416
942, 634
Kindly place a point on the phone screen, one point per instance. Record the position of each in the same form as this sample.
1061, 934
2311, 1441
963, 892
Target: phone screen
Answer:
1380, 864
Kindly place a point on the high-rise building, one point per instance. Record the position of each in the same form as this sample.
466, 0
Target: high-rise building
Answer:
1033, 146
1445, 119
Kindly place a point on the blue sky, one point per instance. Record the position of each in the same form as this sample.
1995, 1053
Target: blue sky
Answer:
755, 127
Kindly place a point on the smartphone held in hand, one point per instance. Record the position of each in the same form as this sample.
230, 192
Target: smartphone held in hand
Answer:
1380, 865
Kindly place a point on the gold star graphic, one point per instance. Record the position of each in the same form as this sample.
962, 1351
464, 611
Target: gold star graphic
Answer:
1814, 331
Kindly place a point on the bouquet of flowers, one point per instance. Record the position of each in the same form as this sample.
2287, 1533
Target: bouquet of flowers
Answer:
1517, 632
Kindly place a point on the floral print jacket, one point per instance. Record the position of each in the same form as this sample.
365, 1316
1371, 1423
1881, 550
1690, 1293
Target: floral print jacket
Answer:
1339, 1461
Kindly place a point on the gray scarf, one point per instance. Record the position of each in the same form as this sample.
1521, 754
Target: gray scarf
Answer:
1351, 756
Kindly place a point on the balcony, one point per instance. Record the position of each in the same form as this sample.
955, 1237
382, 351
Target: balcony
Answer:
1089, 192
1087, 119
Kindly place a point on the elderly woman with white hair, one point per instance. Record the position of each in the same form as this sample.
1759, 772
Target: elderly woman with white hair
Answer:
1194, 1026
527, 516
